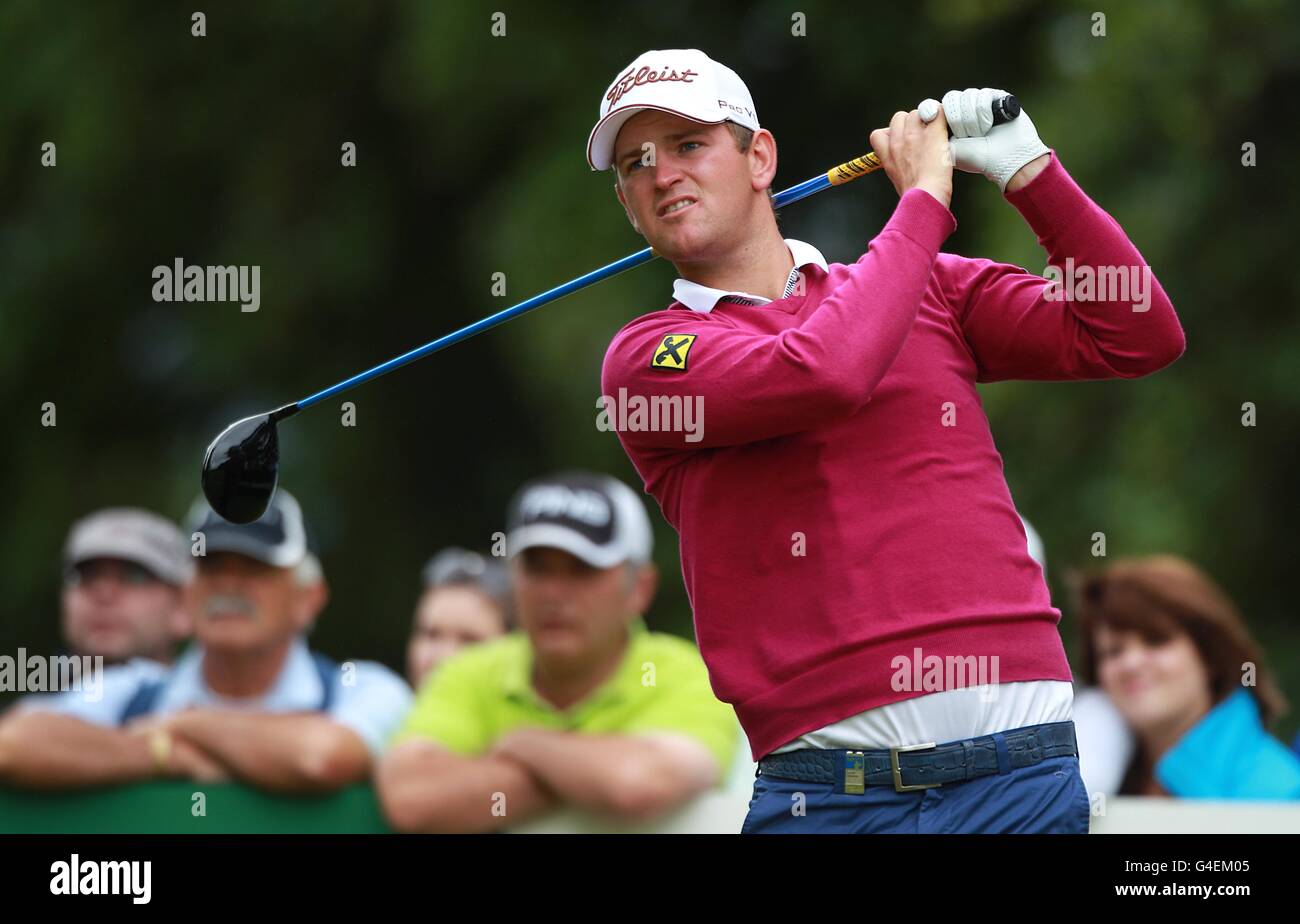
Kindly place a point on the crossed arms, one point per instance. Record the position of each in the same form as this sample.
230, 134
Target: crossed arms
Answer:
287, 752
425, 787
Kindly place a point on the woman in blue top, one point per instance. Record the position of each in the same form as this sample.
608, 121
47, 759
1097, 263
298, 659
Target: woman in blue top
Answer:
1171, 651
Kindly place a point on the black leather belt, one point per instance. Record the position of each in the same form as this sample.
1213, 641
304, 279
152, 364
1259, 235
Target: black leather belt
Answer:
924, 766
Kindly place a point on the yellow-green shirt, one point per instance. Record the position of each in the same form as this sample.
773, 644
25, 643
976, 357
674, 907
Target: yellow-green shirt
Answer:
661, 684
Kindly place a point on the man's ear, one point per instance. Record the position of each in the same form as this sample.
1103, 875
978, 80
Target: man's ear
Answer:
618, 191
762, 159
180, 624
644, 587
308, 602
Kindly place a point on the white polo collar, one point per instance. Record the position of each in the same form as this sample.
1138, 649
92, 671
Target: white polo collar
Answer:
702, 298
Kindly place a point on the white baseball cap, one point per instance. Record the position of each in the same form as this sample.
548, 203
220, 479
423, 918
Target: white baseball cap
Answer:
683, 81
134, 535
592, 516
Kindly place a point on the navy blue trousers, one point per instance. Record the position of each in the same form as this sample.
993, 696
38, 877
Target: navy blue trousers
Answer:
1046, 798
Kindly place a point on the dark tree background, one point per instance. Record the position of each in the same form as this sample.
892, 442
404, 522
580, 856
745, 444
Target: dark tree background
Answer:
226, 149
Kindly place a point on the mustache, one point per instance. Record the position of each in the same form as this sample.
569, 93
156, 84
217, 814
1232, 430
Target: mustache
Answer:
227, 604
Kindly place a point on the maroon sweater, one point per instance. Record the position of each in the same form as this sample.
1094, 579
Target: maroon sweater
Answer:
846, 504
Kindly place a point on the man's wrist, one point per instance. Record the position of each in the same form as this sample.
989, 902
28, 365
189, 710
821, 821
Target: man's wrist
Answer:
160, 750
514, 761
941, 193
1026, 174
517, 745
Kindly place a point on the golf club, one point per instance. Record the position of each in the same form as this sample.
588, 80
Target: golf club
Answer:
242, 464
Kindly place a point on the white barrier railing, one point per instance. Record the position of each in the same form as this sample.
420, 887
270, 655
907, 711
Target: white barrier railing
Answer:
1147, 815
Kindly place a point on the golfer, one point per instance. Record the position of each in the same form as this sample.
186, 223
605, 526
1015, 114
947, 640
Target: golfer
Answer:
862, 589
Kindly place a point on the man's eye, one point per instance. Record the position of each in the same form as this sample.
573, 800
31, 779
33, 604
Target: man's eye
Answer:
685, 143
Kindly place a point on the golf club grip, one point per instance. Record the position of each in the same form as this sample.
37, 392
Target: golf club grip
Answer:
1005, 108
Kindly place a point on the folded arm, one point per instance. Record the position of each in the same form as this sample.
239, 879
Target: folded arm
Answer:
289, 752
425, 787
635, 777
47, 750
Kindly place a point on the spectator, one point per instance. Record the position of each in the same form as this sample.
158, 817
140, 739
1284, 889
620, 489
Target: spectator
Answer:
1172, 653
124, 571
585, 707
1034, 543
1105, 743
466, 600
248, 701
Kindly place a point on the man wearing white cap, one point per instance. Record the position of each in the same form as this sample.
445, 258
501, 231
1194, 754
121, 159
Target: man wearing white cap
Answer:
844, 520
124, 574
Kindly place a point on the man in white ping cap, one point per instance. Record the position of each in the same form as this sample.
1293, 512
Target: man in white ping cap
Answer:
585, 707
844, 519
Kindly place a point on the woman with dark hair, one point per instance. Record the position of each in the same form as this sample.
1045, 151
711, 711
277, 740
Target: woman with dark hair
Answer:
1172, 653
466, 600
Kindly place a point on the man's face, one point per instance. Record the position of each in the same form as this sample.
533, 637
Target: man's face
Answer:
119, 610
241, 604
572, 611
700, 163
448, 619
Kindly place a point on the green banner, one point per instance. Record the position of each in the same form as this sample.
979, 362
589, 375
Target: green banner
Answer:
188, 808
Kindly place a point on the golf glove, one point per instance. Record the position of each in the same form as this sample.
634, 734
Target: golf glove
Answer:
979, 146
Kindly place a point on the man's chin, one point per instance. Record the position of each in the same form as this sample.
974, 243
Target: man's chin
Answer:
116, 646
691, 249
556, 643
231, 636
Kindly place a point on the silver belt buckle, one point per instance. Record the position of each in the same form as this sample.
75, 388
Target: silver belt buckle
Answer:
898, 772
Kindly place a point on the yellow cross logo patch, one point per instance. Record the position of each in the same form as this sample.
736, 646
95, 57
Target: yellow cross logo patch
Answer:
671, 353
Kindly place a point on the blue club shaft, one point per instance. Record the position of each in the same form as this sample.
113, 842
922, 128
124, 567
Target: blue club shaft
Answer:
1005, 109
781, 199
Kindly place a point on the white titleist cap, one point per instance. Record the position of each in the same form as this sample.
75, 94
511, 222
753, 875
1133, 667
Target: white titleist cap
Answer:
683, 81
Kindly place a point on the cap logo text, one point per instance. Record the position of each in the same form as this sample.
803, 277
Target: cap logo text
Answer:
558, 501
645, 75
743, 110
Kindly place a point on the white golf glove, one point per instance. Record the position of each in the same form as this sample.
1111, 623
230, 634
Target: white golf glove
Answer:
979, 146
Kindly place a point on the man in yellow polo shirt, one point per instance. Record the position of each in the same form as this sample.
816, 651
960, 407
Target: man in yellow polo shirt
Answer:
584, 706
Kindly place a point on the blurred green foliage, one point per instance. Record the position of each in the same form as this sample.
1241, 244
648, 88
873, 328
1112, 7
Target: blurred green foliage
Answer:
226, 150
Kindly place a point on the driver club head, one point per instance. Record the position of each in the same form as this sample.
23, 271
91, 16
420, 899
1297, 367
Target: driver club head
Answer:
241, 466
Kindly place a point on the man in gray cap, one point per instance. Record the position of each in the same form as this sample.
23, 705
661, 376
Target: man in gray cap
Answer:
124, 573
248, 701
